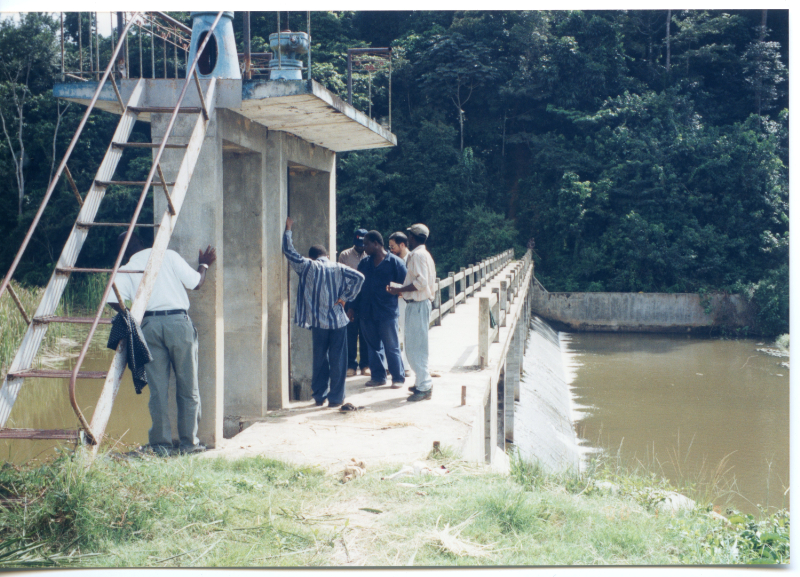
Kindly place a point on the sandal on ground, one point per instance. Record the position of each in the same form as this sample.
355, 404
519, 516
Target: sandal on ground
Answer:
349, 407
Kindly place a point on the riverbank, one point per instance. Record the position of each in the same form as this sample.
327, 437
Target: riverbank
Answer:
259, 512
62, 340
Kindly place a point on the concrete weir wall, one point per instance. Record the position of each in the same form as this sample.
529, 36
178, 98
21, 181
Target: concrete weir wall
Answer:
544, 430
638, 312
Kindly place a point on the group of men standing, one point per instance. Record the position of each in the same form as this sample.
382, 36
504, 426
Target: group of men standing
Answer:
363, 293
359, 298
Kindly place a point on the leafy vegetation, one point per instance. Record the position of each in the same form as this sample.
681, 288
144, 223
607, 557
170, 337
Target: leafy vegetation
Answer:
641, 150
195, 512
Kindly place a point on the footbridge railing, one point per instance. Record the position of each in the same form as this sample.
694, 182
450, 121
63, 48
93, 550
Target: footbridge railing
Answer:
494, 309
465, 283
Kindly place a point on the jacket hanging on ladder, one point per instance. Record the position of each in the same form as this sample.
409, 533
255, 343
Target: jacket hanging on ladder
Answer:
124, 327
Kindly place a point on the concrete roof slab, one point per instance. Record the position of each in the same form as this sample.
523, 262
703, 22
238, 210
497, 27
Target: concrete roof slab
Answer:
310, 112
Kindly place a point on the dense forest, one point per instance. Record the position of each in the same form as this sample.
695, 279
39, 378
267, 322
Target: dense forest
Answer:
639, 150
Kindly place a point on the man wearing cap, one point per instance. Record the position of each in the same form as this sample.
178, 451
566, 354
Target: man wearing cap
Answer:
417, 291
351, 257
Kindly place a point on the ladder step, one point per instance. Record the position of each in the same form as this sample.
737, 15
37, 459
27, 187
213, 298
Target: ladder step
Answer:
165, 110
144, 145
70, 269
125, 224
130, 183
56, 374
71, 320
65, 434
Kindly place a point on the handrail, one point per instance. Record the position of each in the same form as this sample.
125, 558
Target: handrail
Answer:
156, 166
62, 166
470, 279
496, 307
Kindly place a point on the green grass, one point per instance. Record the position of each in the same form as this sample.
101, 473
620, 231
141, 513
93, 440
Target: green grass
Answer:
212, 512
81, 298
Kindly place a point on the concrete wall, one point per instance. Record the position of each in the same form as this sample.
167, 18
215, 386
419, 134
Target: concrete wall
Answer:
246, 296
199, 225
245, 361
314, 225
637, 312
283, 150
543, 427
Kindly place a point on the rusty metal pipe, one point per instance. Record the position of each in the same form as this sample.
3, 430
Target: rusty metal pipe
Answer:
156, 163
174, 22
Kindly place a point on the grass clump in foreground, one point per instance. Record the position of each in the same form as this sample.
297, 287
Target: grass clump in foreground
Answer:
198, 511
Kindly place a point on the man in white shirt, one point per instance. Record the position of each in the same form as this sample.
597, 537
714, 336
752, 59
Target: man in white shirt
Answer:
398, 246
418, 292
171, 338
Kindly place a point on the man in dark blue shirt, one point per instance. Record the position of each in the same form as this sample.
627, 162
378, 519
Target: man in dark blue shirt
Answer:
379, 312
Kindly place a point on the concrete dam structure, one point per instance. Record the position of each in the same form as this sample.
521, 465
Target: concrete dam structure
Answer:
543, 428
639, 312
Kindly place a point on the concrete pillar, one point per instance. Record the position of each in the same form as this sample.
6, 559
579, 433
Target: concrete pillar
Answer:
245, 342
488, 430
512, 377
501, 409
200, 224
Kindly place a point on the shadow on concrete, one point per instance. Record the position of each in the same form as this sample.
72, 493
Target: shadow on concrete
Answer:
280, 415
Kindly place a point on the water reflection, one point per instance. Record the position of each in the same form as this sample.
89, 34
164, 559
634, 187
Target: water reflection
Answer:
687, 404
44, 404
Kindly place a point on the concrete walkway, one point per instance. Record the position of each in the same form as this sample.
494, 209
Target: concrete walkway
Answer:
389, 429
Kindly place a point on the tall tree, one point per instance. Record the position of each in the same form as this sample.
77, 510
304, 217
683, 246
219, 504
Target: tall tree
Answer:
27, 66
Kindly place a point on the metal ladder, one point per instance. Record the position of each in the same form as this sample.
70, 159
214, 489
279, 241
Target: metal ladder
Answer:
21, 367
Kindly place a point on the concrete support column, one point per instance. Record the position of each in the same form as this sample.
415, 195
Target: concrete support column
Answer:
500, 434
512, 377
245, 311
276, 272
200, 224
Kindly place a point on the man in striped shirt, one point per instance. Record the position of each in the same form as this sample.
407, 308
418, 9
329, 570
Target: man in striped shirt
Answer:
324, 289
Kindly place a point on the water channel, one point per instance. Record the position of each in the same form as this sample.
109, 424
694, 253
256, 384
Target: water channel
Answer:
44, 404
690, 408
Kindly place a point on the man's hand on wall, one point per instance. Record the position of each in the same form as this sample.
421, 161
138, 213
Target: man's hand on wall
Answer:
208, 257
289, 223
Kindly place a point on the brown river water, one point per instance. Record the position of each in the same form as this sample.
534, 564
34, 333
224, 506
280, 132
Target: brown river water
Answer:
692, 408
44, 404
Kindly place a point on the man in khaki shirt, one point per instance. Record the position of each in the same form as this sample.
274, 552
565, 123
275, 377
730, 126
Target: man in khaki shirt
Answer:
418, 292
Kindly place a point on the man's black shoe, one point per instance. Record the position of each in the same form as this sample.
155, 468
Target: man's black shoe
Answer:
319, 403
420, 396
413, 388
199, 448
